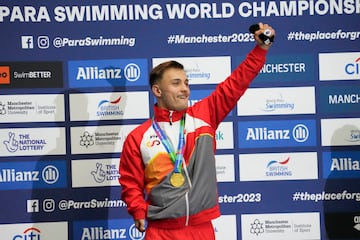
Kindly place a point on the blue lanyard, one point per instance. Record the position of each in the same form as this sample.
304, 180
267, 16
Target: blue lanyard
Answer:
176, 157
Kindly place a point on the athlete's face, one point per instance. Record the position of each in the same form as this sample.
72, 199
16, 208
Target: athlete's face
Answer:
172, 91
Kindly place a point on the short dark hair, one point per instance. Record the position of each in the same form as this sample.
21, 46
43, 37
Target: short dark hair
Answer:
158, 71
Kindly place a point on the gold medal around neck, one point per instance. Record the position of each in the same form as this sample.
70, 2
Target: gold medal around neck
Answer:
177, 179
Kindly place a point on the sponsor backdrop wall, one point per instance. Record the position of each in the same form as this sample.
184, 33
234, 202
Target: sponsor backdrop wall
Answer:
73, 82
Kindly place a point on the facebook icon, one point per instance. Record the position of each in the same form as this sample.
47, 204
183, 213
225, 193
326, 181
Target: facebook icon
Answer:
27, 42
32, 206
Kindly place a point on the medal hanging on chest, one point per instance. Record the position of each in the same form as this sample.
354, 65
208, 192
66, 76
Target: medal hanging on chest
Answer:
177, 178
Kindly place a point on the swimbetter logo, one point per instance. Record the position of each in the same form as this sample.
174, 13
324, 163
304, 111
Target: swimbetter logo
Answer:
31, 75
4, 75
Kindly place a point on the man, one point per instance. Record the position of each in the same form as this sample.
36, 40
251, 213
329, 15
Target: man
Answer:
167, 165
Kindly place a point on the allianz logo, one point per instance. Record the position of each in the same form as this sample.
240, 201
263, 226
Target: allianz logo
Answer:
88, 73
300, 133
101, 233
344, 164
50, 175
131, 72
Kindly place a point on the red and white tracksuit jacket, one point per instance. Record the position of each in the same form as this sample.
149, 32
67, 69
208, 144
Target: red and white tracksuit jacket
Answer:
145, 166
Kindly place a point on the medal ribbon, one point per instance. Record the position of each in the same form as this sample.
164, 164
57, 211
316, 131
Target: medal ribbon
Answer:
176, 157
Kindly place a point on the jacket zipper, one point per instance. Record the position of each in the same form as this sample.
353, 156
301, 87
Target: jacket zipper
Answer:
187, 195
170, 117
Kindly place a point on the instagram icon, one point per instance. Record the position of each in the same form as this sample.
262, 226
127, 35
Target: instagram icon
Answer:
43, 42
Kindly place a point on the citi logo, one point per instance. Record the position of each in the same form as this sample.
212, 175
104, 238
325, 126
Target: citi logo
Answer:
29, 233
353, 68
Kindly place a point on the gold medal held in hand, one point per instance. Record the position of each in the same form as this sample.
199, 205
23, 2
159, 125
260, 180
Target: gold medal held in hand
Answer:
177, 179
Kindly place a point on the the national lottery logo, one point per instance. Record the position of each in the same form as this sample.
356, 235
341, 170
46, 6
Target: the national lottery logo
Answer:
86, 139
99, 174
108, 172
23, 142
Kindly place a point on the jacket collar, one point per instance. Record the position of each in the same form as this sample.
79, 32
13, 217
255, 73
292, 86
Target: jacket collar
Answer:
165, 115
